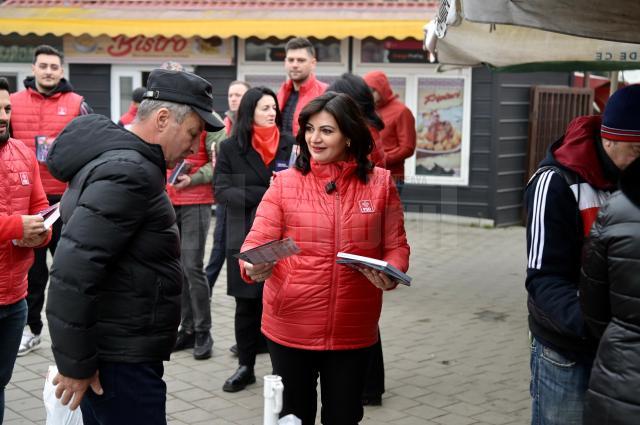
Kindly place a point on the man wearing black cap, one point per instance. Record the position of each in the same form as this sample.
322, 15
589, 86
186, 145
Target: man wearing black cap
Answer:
114, 301
563, 198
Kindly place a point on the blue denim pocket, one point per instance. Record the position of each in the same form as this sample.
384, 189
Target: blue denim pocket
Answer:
556, 358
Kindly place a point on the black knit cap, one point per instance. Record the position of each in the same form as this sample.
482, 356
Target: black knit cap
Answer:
187, 89
621, 118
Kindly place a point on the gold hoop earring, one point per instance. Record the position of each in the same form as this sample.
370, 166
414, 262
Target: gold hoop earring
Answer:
348, 143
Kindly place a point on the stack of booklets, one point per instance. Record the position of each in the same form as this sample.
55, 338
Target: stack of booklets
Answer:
269, 252
50, 215
353, 260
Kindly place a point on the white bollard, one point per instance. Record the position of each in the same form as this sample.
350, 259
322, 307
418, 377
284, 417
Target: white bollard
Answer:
273, 389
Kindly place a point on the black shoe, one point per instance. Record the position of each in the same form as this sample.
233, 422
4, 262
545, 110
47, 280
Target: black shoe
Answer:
372, 400
239, 380
203, 346
234, 350
185, 340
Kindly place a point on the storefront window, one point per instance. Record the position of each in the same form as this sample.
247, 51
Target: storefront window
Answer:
399, 87
391, 50
272, 49
271, 81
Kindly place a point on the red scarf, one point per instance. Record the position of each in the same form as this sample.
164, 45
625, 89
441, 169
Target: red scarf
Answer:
265, 141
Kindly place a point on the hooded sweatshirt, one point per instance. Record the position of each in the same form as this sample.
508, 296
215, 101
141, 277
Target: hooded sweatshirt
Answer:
43, 116
116, 277
562, 200
399, 133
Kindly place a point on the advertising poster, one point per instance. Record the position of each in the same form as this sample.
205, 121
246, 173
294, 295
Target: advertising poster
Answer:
440, 121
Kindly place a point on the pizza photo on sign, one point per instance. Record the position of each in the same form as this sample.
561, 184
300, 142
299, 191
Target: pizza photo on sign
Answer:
437, 135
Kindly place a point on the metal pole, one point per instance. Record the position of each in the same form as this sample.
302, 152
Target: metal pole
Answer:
614, 82
273, 389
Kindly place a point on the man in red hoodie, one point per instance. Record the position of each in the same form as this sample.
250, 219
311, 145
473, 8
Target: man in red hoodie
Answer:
562, 199
21, 229
399, 133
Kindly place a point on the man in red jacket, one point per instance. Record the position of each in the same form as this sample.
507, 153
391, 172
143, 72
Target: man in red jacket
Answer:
302, 86
399, 133
21, 229
136, 97
40, 112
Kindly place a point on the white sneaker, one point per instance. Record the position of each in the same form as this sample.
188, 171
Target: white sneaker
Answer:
28, 343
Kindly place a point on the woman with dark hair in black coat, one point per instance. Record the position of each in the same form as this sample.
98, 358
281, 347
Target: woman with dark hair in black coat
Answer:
244, 167
610, 298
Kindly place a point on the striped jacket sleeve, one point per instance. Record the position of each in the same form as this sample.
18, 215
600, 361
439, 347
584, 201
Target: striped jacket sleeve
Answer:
554, 244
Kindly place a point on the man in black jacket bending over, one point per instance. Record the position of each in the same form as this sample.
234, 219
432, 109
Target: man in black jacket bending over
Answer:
114, 300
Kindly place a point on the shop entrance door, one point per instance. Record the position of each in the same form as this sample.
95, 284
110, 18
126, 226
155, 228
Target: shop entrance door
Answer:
124, 80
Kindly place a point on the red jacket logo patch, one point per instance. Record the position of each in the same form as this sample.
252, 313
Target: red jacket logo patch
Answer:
24, 179
366, 207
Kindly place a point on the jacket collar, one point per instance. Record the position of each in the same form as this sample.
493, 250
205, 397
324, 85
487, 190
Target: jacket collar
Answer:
256, 163
333, 170
305, 87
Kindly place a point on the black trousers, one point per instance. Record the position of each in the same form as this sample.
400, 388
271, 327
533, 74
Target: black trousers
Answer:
39, 275
217, 256
248, 319
374, 382
341, 373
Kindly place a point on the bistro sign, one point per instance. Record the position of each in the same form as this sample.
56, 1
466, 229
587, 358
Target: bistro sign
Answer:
141, 49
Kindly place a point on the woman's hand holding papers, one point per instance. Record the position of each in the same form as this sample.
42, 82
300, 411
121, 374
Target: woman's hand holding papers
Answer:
259, 272
378, 278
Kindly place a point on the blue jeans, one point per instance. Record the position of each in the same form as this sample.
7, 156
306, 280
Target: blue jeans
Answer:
558, 386
13, 318
134, 393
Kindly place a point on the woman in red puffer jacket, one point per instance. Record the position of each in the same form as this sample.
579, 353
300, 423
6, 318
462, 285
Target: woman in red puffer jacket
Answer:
320, 317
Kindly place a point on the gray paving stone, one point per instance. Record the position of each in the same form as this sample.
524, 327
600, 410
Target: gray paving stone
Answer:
453, 419
455, 342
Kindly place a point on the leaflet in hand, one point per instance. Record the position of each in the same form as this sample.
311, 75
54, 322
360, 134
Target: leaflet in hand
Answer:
269, 252
183, 167
50, 215
353, 260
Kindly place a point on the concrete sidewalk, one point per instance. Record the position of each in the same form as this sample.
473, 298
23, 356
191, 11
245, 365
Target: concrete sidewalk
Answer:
455, 343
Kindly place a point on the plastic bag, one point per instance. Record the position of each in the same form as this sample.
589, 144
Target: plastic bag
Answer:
290, 420
57, 414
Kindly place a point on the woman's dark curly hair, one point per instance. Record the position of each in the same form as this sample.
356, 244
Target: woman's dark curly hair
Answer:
351, 123
354, 86
243, 128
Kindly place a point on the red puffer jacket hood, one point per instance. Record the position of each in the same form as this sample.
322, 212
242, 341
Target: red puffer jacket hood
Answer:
378, 80
310, 302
